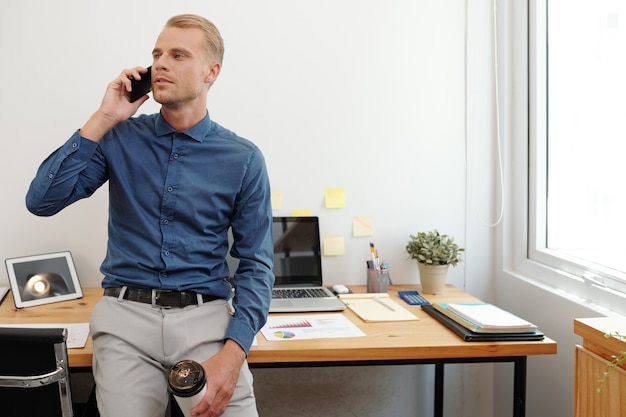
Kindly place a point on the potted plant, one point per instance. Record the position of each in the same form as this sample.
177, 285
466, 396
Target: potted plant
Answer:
434, 254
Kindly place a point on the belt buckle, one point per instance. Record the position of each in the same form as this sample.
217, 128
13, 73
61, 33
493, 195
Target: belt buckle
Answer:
155, 298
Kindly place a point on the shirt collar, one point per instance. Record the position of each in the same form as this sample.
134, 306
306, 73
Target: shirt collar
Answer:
197, 132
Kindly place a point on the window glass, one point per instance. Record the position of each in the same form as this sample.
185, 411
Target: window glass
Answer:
580, 146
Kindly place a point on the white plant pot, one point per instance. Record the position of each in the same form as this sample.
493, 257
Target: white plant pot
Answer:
433, 277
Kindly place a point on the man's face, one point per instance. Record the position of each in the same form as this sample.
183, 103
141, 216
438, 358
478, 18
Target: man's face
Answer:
182, 70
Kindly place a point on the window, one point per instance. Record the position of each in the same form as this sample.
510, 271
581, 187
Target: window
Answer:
577, 192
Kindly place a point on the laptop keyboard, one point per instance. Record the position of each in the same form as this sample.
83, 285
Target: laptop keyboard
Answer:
299, 293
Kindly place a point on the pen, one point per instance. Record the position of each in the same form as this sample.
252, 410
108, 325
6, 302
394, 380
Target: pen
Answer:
374, 253
383, 302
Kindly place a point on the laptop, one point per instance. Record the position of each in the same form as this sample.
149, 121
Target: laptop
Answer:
298, 268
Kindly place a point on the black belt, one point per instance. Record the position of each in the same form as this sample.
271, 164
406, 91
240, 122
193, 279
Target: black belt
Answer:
160, 298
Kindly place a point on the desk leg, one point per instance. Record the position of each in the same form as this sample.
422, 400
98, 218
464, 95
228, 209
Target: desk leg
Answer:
519, 387
439, 372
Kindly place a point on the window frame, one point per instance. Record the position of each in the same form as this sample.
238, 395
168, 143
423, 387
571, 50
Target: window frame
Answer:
528, 156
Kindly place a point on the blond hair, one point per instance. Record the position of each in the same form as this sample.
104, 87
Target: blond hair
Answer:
212, 37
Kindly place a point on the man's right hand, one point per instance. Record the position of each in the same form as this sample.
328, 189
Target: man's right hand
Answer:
115, 106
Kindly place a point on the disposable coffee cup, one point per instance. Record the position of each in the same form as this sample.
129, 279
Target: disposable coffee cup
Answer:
187, 382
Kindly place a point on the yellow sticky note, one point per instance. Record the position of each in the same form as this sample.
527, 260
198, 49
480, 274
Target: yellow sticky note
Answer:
335, 198
277, 200
333, 245
362, 226
301, 212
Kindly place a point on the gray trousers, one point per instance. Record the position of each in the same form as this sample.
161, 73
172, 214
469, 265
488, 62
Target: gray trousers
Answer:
135, 344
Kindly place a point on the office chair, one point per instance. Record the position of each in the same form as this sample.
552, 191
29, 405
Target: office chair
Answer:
34, 374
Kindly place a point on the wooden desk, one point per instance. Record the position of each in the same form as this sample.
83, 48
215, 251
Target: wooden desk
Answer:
414, 342
409, 340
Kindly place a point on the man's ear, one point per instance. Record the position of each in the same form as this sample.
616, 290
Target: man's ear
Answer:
213, 72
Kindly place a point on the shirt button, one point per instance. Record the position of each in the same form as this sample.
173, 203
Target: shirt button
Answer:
167, 253
175, 156
50, 176
166, 222
74, 145
169, 189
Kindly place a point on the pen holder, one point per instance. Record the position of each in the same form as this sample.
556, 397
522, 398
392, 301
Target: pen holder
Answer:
377, 280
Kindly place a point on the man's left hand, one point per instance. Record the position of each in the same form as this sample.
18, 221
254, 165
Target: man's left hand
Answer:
222, 372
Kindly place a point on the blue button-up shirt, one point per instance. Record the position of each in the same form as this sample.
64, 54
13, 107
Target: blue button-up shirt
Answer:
172, 198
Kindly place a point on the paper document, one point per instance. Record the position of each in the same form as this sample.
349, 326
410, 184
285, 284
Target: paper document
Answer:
309, 326
489, 316
76, 332
372, 307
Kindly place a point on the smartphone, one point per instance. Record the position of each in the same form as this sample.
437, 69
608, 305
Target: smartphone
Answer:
140, 87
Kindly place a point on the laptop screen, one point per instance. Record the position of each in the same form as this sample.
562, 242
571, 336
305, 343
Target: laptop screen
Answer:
297, 253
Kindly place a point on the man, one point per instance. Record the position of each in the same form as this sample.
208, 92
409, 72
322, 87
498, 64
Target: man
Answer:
177, 182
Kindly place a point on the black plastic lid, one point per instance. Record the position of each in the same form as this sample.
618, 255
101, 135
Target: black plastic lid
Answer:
187, 378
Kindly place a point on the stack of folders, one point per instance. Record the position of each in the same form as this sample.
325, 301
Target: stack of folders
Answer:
483, 322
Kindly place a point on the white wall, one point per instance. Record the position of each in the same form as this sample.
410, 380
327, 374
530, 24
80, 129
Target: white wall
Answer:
365, 96
381, 98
